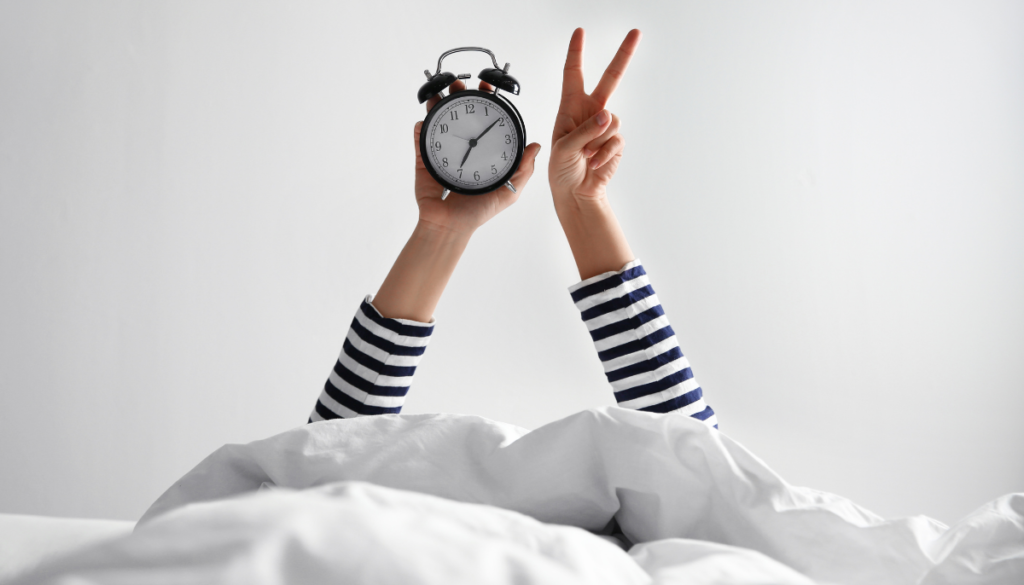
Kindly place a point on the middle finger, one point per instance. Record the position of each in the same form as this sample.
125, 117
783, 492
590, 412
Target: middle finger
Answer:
617, 68
457, 86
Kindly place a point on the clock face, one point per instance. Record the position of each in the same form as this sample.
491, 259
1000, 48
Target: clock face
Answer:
472, 142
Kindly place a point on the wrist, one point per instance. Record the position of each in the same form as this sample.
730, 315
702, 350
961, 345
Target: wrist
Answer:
595, 237
577, 211
438, 235
415, 283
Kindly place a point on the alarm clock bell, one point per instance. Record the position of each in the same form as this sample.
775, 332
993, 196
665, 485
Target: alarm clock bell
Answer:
440, 80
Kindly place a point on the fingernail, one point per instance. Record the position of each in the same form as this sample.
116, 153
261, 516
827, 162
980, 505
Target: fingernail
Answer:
603, 117
588, 153
594, 164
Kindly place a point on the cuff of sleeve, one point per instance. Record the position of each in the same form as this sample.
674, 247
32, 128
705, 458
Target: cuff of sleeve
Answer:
628, 282
390, 333
369, 301
600, 277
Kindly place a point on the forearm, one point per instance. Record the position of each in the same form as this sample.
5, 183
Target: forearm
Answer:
595, 237
386, 340
416, 281
636, 345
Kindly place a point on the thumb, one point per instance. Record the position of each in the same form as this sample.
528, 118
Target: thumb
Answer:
529, 160
587, 131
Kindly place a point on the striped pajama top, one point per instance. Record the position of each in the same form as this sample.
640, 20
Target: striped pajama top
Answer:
631, 333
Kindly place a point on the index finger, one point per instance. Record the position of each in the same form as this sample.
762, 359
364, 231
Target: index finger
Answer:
617, 68
572, 75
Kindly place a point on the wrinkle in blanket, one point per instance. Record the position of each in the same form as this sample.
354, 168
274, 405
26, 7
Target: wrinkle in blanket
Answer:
515, 506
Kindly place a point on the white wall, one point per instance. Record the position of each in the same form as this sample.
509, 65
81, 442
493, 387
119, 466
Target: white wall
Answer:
829, 198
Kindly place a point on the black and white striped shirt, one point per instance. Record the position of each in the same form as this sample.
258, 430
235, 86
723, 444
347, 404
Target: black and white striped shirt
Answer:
374, 371
637, 347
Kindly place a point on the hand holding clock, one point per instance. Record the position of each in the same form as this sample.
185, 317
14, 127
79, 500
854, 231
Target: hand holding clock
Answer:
459, 213
415, 283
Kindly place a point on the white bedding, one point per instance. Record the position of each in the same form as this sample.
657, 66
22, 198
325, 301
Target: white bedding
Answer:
29, 541
460, 499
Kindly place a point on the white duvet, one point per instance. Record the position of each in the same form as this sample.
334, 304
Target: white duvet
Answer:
460, 499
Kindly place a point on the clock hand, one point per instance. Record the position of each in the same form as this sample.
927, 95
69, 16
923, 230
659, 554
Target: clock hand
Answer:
488, 129
472, 143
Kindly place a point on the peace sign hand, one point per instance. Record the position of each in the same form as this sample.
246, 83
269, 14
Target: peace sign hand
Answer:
586, 144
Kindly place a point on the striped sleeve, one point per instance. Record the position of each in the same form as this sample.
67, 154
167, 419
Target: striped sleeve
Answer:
375, 368
637, 346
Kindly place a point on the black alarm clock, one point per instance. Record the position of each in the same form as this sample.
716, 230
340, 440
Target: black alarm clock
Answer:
472, 141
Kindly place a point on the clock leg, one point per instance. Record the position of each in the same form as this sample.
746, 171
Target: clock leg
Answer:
510, 186
445, 194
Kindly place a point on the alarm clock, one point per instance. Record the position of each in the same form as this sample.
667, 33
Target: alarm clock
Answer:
472, 141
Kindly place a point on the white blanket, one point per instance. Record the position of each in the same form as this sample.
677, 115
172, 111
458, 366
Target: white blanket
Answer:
29, 541
460, 499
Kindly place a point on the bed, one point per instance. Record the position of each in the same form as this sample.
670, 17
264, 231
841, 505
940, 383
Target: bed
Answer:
604, 496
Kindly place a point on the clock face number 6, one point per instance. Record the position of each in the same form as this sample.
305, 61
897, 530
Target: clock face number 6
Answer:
474, 142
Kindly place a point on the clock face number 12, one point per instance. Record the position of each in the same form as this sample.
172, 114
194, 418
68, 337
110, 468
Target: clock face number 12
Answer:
473, 142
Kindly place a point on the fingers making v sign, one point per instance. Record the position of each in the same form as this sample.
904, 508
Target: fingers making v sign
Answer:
586, 145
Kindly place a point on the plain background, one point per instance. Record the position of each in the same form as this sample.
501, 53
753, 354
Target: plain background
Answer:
829, 197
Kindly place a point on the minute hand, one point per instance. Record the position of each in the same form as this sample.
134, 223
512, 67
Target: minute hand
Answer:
488, 129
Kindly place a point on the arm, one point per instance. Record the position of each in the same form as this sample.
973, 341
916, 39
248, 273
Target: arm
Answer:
390, 332
420, 274
635, 343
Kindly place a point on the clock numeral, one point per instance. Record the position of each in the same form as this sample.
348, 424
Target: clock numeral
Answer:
494, 171
501, 121
476, 175
470, 108
508, 139
444, 128
485, 111
444, 161
460, 172
504, 156
455, 115
437, 145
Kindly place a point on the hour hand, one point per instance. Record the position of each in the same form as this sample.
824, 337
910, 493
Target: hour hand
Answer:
468, 150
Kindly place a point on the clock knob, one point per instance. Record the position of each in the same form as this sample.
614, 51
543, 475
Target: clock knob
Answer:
435, 85
500, 80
